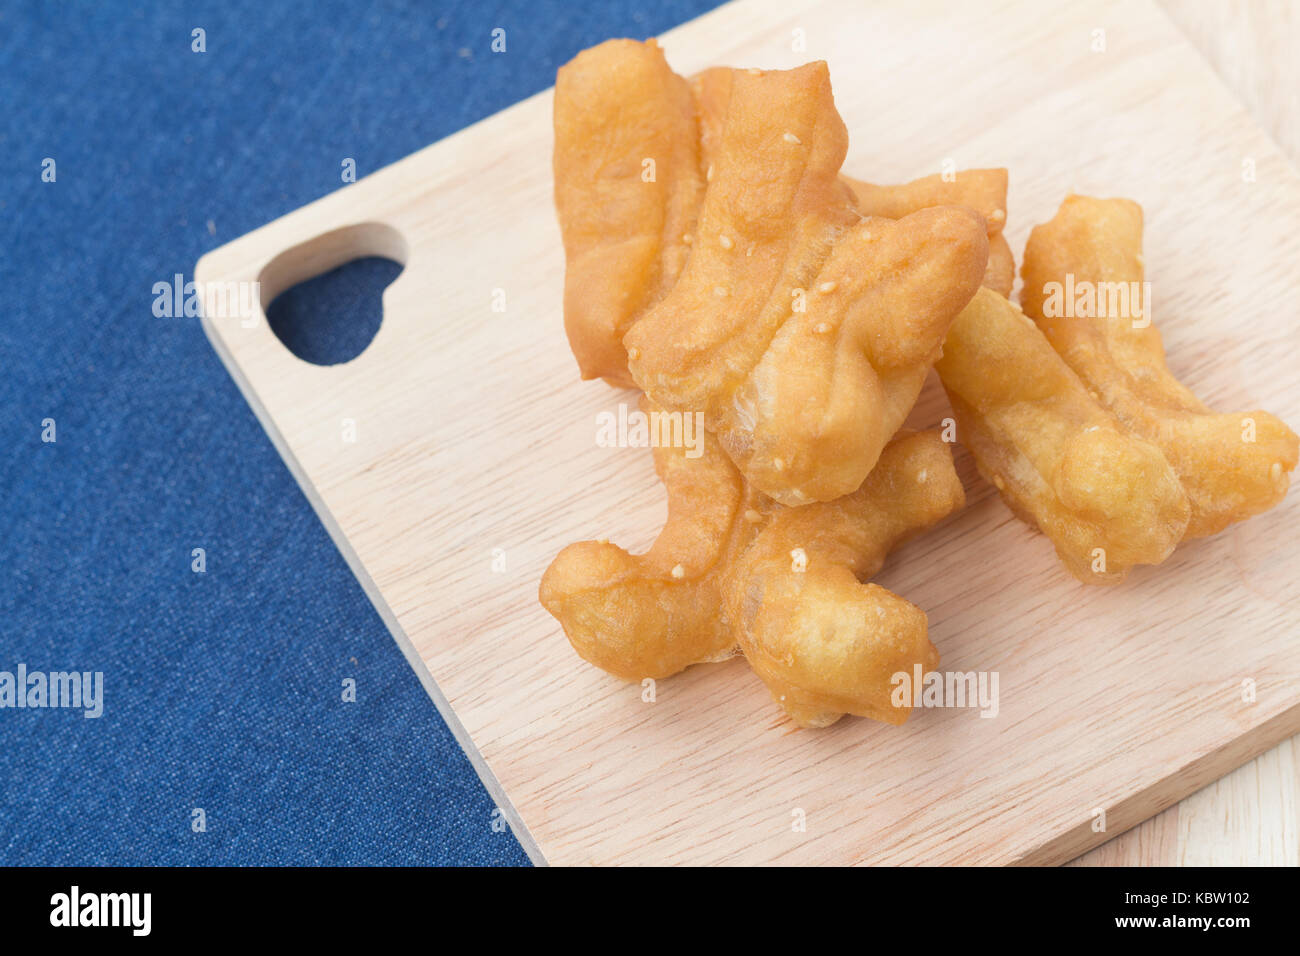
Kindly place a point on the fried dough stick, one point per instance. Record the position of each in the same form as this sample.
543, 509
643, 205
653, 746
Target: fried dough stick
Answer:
1107, 499
984, 190
1000, 274
825, 644
626, 239
711, 90
1232, 465
625, 222
654, 614
802, 332
722, 574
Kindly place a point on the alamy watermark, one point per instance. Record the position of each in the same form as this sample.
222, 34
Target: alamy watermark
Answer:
658, 429
76, 690
1084, 299
214, 300
133, 911
946, 689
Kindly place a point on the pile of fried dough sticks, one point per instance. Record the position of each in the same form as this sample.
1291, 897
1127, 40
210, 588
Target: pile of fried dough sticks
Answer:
799, 312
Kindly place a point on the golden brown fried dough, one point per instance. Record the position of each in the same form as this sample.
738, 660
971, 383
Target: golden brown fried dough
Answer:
1107, 499
802, 332
731, 567
603, 299
984, 190
839, 379
625, 223
654, 614
712, 91
825, 644
1231, 465
1000, 275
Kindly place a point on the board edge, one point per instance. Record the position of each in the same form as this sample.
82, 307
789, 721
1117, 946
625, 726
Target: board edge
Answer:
494, 788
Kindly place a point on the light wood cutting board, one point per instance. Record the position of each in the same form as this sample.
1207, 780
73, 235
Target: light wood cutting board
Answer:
475, 460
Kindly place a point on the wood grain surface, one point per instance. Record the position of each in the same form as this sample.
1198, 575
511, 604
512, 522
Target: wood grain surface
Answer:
1251, 817
457, 454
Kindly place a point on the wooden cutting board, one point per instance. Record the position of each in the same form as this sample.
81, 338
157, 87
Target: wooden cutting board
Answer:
473, 459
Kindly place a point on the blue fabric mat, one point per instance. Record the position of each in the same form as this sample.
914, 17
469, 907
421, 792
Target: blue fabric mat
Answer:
222, 689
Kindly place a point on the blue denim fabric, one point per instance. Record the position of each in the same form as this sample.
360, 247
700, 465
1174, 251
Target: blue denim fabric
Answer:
222, 689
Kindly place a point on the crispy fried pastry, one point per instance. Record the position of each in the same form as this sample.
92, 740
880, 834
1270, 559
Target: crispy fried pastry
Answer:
1000, 275
654, 614
1232, 465
802, 332
824, 643
984, 190
731, 567
626, 240
628, 187
711, 89
1106, 498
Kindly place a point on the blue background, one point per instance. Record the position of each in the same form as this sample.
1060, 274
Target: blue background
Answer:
222, 689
